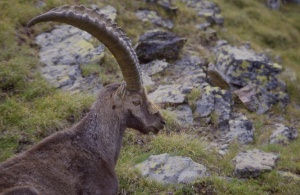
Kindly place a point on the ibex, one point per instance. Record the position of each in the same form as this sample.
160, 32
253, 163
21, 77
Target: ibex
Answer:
82, 159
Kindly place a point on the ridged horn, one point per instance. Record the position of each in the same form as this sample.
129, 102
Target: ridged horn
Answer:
105, 31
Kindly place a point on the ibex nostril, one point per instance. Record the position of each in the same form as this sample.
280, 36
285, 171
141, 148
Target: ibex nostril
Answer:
163, 122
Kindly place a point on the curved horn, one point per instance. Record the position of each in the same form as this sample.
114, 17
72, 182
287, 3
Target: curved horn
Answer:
105, 31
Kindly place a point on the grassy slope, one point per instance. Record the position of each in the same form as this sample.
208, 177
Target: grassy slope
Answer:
31, 110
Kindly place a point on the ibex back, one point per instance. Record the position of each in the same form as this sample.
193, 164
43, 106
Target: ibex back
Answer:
82, 160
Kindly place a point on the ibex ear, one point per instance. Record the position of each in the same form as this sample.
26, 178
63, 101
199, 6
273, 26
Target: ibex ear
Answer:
120, 93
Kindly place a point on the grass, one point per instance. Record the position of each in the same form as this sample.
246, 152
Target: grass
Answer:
30, 109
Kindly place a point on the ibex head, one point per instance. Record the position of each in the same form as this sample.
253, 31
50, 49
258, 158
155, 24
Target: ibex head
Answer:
130, 98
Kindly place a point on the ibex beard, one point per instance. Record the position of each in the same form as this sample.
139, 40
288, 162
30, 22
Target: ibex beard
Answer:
82, 159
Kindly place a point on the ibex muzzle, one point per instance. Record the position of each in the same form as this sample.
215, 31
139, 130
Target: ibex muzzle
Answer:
82, 160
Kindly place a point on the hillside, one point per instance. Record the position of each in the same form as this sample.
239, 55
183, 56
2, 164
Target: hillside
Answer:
224, 73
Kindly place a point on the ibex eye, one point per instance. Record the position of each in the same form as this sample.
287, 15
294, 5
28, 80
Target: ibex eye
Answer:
136, 103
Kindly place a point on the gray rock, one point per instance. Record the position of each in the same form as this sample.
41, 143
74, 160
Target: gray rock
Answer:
203, 26
253, 74
62, 52
273, 4
293, 176
159, 45
206, 9
166, 4
109, 11
183, 114
167, 94
241, 129
253, 163
168, 169
283, 134
154, 67
216, 104
154, 18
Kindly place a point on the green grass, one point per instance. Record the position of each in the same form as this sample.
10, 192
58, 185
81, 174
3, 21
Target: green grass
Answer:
30, 109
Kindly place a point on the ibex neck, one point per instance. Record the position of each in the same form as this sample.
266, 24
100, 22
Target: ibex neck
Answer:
101, 133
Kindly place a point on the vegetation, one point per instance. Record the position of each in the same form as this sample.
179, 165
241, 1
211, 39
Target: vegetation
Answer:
30, 109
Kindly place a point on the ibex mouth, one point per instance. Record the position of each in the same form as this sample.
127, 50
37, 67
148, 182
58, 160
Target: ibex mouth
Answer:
155, 130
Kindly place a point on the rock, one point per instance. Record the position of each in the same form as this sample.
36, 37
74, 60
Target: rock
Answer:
167, 94
293, 176
241, 129
109, 11
248, 95
168, 169
154, 67
206, 9
166, 4
154, 18
159, 45
273, 4
187, 72
62, 52
253, 163
215, 104
183, 114
283, 134
203, 26
253, 75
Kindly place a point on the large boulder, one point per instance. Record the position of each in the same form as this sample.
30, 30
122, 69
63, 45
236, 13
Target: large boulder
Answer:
283, 134
253, 163
64, 49
168, 169
159, 45
253, 75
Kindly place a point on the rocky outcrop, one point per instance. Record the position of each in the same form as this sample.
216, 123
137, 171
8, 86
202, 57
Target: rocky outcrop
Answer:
159, 45
252, 75
253, 163
62, 52
154, 18
168, 169
283, 134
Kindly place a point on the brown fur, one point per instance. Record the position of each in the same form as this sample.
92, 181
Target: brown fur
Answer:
82, 160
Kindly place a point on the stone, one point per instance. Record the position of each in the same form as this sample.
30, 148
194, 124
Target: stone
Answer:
167, 94
253, 75
159, 45
241, 129
283, 134
154, 67
203, 26
184, 115
252, 163
154, 18
167, 169
187, 72
273, 4
290, 175
206, 9
109, 11
165, 4
62, 52
216, 104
